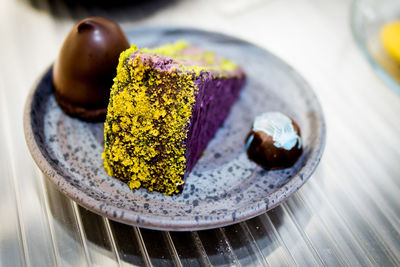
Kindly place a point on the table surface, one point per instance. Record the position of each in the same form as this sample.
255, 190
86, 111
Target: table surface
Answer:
347, 214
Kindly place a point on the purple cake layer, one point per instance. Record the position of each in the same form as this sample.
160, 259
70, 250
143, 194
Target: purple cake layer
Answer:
213, 102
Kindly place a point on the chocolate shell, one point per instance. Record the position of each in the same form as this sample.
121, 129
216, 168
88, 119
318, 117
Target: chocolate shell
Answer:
274, 141
84, 71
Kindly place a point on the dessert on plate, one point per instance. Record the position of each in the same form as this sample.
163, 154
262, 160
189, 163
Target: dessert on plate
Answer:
166, 104
274, 141
86, 65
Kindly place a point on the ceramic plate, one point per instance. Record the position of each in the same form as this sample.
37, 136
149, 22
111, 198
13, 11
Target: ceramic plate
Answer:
224, 186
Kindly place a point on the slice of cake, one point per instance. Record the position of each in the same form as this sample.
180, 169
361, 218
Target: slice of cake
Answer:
166, 104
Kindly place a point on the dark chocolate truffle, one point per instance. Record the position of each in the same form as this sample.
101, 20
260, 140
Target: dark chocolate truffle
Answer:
274, 141
86, 66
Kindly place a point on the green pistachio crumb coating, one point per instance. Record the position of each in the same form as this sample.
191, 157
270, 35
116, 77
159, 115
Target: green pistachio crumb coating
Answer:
146, 125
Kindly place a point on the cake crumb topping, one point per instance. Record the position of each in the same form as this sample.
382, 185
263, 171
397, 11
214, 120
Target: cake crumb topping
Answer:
194, 59
146, 125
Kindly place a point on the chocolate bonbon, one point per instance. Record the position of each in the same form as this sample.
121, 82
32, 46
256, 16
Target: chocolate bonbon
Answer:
274, 141
84, 71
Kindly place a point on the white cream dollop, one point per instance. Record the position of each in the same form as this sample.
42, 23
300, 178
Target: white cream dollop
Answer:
280, 127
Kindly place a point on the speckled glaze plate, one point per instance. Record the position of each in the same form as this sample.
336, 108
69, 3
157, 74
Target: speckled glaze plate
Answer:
224, 186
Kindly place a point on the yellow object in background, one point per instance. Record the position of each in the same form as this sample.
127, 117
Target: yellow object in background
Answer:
390, 37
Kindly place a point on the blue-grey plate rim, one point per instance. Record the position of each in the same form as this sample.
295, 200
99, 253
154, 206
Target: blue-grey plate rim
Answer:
152, 222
